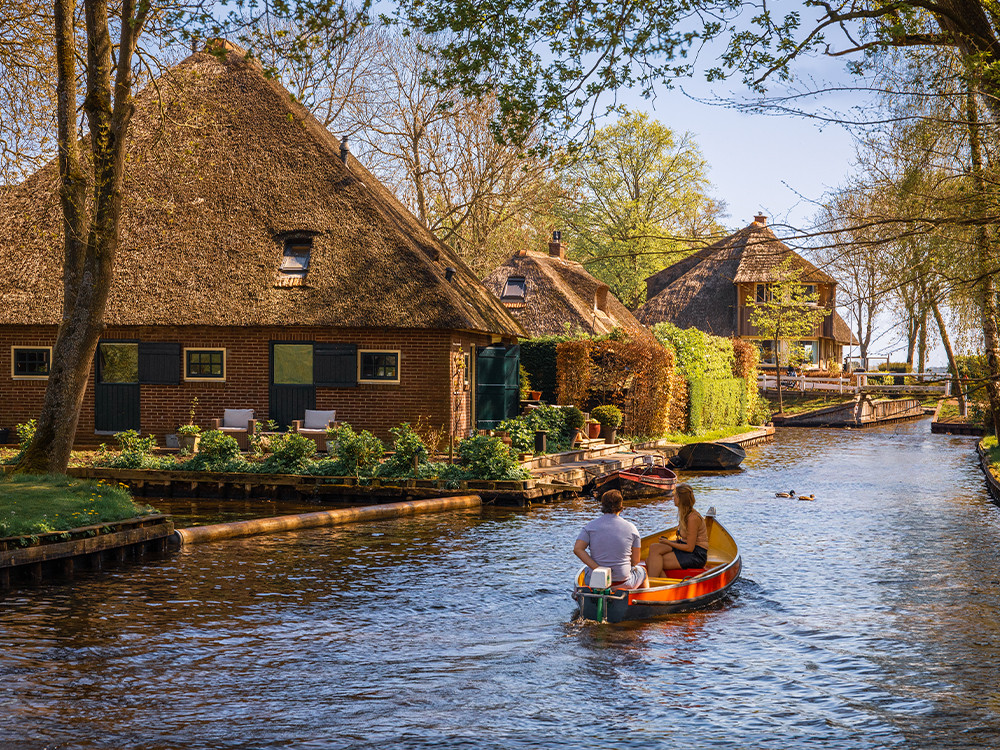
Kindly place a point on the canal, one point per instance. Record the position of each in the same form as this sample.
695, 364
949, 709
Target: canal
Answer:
865, 619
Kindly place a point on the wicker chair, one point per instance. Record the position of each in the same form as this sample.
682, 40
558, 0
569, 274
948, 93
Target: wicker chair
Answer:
239, 423
314, 425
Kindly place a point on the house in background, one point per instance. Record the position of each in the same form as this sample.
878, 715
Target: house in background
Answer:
261, 266
549, 294
712, 289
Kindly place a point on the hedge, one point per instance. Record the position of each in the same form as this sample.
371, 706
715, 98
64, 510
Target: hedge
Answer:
700, 355
716, 402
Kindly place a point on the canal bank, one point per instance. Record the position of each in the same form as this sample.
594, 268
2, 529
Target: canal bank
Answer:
847, 632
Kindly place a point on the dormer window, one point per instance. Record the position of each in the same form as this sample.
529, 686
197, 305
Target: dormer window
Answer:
295, 260
601, 299
514, 289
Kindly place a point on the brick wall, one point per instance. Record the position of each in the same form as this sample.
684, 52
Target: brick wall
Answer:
430, 379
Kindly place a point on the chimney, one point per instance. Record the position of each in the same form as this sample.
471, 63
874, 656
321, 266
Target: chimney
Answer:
760, 219
345, 149
521, 252
556, 246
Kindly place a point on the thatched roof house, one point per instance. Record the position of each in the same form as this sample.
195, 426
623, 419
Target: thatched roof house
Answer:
550, 294
709, 290
246, 223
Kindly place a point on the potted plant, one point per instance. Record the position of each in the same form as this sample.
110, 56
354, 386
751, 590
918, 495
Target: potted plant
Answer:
189, 435
593, 429
574, 423
610, 418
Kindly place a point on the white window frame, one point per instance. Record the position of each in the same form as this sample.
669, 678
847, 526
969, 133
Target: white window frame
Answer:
225, 363
28, 377
381, 381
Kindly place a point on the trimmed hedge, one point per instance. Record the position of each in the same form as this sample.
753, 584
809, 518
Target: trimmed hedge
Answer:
716, 402
700, 355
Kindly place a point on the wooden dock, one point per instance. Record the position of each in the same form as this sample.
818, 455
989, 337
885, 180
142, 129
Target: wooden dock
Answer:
158, 483
58, 555
862, 412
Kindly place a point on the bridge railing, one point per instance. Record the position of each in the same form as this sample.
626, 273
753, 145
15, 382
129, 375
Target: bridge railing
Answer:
867, 382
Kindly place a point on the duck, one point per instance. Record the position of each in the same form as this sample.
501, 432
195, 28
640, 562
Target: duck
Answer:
807, 497
790, 493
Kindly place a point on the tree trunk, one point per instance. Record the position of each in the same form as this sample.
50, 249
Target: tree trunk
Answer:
777, 372
922, 340
90, 243
986, 291
963, 408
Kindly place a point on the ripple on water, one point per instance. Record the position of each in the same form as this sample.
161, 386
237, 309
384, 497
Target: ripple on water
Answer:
865, 619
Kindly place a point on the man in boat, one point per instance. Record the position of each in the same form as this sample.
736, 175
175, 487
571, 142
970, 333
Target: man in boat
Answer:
613, 543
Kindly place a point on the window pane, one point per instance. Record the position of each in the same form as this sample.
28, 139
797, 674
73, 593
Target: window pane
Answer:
293, 364
31, 363
205, 363
119, 363
514, 288
379, 366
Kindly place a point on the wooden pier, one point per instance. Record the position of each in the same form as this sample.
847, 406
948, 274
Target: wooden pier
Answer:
157, 483
58, 555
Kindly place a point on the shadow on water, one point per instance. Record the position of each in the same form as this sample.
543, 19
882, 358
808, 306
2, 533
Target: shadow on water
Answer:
866, 619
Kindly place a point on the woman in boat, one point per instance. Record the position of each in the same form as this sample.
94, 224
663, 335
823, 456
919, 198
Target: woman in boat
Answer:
614, 543
690, 549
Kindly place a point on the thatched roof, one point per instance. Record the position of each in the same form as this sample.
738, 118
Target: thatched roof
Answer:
222, 166
561, 295
700, 290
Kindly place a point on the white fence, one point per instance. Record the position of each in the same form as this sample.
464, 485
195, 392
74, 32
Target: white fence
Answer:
867, 382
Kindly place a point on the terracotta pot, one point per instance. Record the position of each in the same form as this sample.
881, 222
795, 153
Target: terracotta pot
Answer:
594, 430
535, 395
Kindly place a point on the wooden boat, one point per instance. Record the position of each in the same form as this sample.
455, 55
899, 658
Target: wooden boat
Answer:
709, 456
639, 480
677, 591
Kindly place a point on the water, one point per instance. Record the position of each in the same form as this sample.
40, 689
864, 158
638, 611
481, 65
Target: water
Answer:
865, 619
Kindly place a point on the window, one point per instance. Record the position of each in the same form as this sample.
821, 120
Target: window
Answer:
30, 363
763, 294
515, 288
292, 364
118, 362
809, 350
205, 364
295, 261
378, 367
766, 349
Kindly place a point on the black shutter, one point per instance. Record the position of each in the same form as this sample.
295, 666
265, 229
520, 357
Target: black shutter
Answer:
159, 363
335, 365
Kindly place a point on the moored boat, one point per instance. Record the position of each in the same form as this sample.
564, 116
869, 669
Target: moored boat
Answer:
677, 591
709, 456
639, 480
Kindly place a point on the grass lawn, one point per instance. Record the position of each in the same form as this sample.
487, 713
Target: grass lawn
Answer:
989, 444
40, 504
720, 434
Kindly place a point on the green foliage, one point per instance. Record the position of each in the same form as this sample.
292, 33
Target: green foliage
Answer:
136, 452
758, 410
189, 429
522, 429
216, 452
608, 416
640, 187
716, 403
975, 367
699, 355
26, 432
524, 381
538, 358
488, 458
574, 418
291, 453
43, 504
790, 312
130, 441
407, 447
351, 453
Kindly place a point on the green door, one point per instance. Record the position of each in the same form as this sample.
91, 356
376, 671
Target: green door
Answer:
116, 392
497, 385
293, 389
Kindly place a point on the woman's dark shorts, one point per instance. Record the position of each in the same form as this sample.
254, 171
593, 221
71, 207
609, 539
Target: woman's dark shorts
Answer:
696, 558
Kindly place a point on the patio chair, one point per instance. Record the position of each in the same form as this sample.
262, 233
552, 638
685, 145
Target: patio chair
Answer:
239, 423
314, 425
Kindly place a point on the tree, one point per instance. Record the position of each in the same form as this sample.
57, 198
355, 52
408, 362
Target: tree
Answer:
638, 202
789, 312
90, 227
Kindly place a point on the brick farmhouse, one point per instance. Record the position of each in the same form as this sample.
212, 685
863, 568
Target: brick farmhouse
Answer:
261, 266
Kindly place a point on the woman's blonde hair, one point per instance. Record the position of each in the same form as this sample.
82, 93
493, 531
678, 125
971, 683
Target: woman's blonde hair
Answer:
685, 504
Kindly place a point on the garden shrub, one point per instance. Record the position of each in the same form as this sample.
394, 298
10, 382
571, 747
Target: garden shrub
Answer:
521, 430
715, 403
351, 453
608, 416
407, 447
216, 451
699, 355
486, 457
291, 453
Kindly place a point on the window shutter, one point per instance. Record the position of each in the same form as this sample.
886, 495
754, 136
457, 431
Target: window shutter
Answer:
159, 363
335, 365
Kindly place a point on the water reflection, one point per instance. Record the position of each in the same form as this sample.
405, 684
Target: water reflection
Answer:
866, 619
